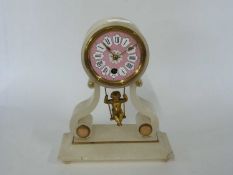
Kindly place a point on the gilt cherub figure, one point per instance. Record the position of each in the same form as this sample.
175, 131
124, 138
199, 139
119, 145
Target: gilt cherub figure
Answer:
116, 101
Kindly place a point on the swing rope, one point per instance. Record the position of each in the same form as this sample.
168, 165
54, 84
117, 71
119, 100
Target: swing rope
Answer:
124, 103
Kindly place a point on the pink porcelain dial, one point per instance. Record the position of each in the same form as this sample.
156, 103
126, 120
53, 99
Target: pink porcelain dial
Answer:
115, 55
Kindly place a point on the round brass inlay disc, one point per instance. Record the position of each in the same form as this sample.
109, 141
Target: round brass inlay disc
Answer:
83, 131
145, 129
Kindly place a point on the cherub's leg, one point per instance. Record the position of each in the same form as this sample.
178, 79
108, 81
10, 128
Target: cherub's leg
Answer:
117, 120
121, 116
112, 116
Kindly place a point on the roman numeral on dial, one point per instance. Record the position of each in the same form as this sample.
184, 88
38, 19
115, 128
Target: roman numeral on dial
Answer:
107, 40
116, 39
122, 71
99, 64
113, 75
105, 70
132, 58
100, 47
129, 66
98, 55
131, 49
125, 42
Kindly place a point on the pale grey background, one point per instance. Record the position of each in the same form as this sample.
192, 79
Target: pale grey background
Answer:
189, 79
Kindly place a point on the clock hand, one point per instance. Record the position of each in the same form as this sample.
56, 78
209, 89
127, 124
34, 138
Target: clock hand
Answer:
108, 48
114, 56
128, 48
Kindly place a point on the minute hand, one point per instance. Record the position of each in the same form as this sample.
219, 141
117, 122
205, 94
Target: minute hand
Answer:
132, 46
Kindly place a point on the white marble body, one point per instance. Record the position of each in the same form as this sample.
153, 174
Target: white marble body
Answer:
156, 145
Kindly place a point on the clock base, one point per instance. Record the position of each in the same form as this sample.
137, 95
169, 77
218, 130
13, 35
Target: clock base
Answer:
124, 147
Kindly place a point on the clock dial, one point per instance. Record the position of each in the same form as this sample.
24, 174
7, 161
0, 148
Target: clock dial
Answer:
114, 56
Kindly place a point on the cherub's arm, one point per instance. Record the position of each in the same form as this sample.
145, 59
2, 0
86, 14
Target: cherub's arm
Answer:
106, 100
124, 99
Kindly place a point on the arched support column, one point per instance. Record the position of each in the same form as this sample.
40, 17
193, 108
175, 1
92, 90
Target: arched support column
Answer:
145, 114
82, 112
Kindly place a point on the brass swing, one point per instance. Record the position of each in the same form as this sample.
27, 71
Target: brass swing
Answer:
115, 111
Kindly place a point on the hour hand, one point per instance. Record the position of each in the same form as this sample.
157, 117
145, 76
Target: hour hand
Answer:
108, 48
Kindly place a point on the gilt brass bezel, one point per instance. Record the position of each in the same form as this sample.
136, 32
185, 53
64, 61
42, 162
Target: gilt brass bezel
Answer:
116, 83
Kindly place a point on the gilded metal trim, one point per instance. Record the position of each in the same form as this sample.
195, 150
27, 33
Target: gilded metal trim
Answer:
109, 142
116, 83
